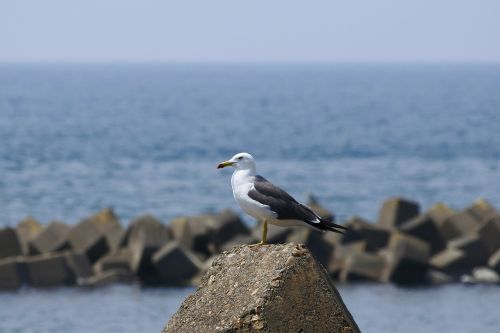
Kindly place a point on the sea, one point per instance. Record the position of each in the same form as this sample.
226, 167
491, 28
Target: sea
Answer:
146, 138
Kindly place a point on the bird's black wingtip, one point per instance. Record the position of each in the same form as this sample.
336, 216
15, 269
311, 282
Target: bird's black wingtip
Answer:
332, 226
326, 225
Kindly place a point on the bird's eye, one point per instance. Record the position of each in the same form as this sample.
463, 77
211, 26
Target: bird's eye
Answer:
240, 158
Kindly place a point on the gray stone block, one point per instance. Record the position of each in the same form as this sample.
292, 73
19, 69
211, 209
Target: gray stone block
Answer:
407, 259
10, 273
363, 266
426, 229
48, 270
9, 243
436, 277
225, 226
181, 232
115, 276
146, 235
119, 260
86, 238
207, 233
485, 275
458, 225
395, 211
78, 265
474, 248
148, 229
175, 264
494, 261
373, 235
140, 261
405, 246
108, 224
53, 238
482, 211
404, 271
490, 233
439, 213
452, 261
340, 254
27, 230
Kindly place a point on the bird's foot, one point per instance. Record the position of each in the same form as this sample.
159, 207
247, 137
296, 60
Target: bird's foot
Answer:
258, 244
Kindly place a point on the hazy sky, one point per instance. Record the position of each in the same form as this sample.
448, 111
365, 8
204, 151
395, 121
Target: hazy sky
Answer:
252, 30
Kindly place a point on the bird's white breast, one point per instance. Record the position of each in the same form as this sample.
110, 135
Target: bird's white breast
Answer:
242, 183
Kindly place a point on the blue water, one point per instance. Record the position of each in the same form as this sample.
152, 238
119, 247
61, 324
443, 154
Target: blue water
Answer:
147, 138
76, 138
375, 308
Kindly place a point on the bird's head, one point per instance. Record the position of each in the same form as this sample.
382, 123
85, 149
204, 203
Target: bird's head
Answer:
239, 161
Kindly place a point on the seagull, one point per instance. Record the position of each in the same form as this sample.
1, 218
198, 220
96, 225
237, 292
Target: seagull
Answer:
267, 202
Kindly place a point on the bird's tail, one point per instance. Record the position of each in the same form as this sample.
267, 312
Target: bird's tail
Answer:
332, 226
325, 225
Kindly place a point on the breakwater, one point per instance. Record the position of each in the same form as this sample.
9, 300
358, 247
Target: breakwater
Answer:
404, 246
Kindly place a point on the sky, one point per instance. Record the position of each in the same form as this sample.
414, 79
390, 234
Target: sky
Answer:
249, 31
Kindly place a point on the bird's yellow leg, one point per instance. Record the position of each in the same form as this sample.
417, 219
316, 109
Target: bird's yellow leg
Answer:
264, 235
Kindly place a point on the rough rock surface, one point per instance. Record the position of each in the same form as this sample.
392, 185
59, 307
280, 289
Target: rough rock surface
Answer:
272, 288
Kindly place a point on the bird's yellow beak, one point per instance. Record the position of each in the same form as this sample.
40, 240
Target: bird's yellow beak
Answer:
224, 164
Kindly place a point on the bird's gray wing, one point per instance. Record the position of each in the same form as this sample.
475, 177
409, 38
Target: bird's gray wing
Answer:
280, 202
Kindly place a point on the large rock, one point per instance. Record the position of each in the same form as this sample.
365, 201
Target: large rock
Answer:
108, 224
27, 230
395, 211
176, 264
10, 273
48, 270
314, 241
9, 243
273, 288
53, 238
86, 238
425, 228
373, 235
